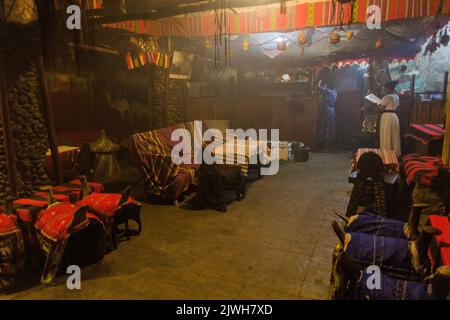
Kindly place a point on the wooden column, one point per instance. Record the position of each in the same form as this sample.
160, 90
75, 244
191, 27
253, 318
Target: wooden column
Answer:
49, 119
8, 139
445, 91
166, 97
413, 92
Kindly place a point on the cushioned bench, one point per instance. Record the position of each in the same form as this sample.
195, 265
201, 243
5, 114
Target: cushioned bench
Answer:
151, 152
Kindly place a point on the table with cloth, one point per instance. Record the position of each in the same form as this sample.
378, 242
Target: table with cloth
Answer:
389, 157
67, 157
242, 153
390, 162
245, 155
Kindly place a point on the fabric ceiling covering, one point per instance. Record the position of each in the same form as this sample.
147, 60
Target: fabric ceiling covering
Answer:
299, 15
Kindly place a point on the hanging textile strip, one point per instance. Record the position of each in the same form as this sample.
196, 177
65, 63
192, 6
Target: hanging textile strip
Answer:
134, 61
94, 4
269, 18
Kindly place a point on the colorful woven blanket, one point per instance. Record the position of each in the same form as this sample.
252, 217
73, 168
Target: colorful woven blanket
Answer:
151, 152
423, 170
106, 206
56, 225
389, 158
427, 132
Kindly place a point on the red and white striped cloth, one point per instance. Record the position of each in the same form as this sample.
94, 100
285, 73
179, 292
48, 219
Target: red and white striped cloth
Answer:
389, 158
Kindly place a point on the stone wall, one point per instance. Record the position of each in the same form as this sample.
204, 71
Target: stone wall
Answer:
27, 123
21, 11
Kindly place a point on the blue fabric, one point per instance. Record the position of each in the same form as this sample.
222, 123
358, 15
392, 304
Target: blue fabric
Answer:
376, 225
330, 135
391, 289
328, 130
390, 254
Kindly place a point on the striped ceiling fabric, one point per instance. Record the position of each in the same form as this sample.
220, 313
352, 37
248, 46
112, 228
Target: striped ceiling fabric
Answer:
268, 18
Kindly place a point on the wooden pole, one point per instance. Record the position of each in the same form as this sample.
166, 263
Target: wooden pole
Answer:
49, 119
7, 132
166, 87
444, 98
8, 139
412, 89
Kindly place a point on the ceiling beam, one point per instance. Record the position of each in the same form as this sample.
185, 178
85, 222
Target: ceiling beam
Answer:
105, 16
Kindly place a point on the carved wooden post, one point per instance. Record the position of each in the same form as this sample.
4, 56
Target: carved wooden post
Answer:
8, 141
49, 119
413, 90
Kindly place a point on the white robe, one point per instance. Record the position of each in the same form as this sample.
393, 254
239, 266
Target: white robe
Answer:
390, 125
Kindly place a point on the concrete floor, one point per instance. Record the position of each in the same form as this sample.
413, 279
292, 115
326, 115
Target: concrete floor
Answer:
276, 244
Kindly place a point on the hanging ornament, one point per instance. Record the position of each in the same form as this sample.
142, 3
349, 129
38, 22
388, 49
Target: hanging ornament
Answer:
445, 37
283, 7
302, 52
281, 44
229, 53
245, 44
207, 44
349, 35
379, 43
335, 37
302, 38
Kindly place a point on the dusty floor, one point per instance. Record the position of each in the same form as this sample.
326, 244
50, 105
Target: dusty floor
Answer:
276, 244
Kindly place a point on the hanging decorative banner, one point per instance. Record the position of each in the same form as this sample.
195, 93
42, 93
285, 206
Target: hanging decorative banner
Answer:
94, 4
317, 13
144, 58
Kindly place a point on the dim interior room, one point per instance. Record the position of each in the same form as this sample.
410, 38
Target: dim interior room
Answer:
224, 149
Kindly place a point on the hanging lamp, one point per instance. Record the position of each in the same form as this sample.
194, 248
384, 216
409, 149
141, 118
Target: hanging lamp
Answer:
281, 44
245, 44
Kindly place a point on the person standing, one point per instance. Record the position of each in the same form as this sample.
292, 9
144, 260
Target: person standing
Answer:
390, 123
329, 128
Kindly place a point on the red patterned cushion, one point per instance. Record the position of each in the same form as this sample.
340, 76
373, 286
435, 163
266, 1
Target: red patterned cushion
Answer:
75, 187
54, 227
105, 206
441, 252
12, 249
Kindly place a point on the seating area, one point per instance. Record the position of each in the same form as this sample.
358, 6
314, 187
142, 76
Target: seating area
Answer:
152, 153
412, 251
72, 224
232, 150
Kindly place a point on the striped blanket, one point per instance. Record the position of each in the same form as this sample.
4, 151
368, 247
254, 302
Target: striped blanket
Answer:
423, 170
151, 153
389, 158
426, 133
